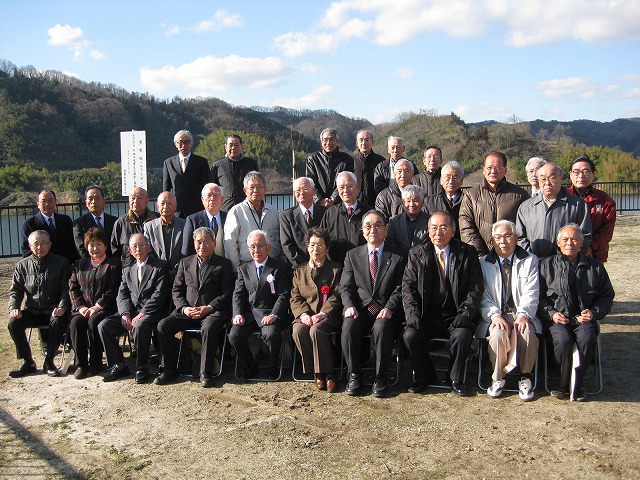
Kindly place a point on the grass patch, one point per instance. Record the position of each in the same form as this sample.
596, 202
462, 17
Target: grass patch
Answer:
127, 461
62, 424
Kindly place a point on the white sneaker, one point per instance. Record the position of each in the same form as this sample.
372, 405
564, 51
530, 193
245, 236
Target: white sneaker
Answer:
495, 390
525, 389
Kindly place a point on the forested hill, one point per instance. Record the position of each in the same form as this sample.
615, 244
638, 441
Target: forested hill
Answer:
52, 121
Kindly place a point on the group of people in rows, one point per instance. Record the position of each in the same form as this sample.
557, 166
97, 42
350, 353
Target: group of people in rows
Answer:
372, 247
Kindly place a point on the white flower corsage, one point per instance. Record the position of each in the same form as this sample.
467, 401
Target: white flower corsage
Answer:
272, 283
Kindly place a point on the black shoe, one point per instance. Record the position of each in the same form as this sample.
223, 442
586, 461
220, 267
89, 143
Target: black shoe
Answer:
579, 395
460, 389
166, 377
80, 373
116, 372
206, 381
379, 389
273, 373
50, 369
94, 370
417, 387
27, 367
353, 384
248, 373
142, 376
560, 394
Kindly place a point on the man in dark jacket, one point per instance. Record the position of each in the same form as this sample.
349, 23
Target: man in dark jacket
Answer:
324, 165
365, 161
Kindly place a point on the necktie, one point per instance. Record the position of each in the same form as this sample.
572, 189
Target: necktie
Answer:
505, 269
184, 164
260, 268
307, 218
99, 223
139, 273
443, 274
213, 225
350, 212
52, 226
202, 266
373, 267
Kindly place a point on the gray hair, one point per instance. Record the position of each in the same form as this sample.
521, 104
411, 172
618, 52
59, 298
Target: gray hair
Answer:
146, 239
208, 186
254, 175
307, 179
364, 130
392, 138
183, 133
412, 191
555, 166
38, 233
204, 231
574, 226
331, 131
504, 223
403, 161
262, 233
535, 160
453, 165
350, 175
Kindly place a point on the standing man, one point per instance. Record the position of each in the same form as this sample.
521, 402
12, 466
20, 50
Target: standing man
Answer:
441, 292
343, 221
165, 233
211, 217
365, 162
296, 221
324, 165
508, 309
260, 302
230, 171
532, 167
131, 222
389, 200
370, 291
252, 214
202, 297
41, 280
95, 217
483, 205
383, 175
143, 300
185, 174
575, 292
541, 217
449, 198
410, 228
430, 180
58, 226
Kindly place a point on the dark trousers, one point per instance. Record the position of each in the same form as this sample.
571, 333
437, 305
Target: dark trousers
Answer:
85, 339
417, 342
584, 335
111, 329
271, 335
211, 326
384, 333
18, 326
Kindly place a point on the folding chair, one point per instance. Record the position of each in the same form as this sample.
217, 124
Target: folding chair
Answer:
393, 372
443, 342
335, 342
63, 343
285, 333
596, 373
483, 363
197, 331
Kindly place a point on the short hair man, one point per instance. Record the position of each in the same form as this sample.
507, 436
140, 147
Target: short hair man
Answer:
508, 309
260, 302
441, 292
165, 232
58, 226
430, 180
389, 200
95, 217
410, 227
575, 292
41, 281
185, 174
383, 175
449, 198
229, 172
343, 220
247, 216
297, 220
483, 205
540, 218
143, 300
365, 161
202, 298
370, 291
532, 177
212, 197
131, 222
324, 165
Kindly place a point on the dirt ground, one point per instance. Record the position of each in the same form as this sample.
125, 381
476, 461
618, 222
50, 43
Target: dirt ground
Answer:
65, 428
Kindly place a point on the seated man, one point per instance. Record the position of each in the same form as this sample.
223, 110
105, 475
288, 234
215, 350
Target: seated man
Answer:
389, 200
508, 309
260, 302
575, 292
370, 290
42, 281
410, 227
202, 296
142, 302
441, 292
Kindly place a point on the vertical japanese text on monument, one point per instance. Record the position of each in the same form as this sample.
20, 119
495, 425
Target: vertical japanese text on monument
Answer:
133, 151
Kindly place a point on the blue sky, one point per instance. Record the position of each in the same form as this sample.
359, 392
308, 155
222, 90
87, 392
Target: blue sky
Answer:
482, 59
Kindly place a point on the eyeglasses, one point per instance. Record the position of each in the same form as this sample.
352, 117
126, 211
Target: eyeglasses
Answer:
506, 237
257, 247
441, 229
302, 189
183, 142
550, 178
371, 226
452, 178
584, 172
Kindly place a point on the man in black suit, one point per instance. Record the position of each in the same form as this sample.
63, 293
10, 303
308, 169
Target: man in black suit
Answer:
295, 221
58, 226
441, 292
410, 227
142, 301
450, 196
260, 302
202, 297
185, 174
96, 217
211, 217
370, 290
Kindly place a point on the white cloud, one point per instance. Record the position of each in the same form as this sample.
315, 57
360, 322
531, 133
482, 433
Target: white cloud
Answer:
533, 22
209, 75
172, 31
583, 88
309, 68
221, 19
319, 97
632, 93
481, 109
403, 73
73, 39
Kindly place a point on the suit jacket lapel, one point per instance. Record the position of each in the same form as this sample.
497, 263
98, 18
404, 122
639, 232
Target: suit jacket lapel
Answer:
176, 164
385, 262
299, 219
